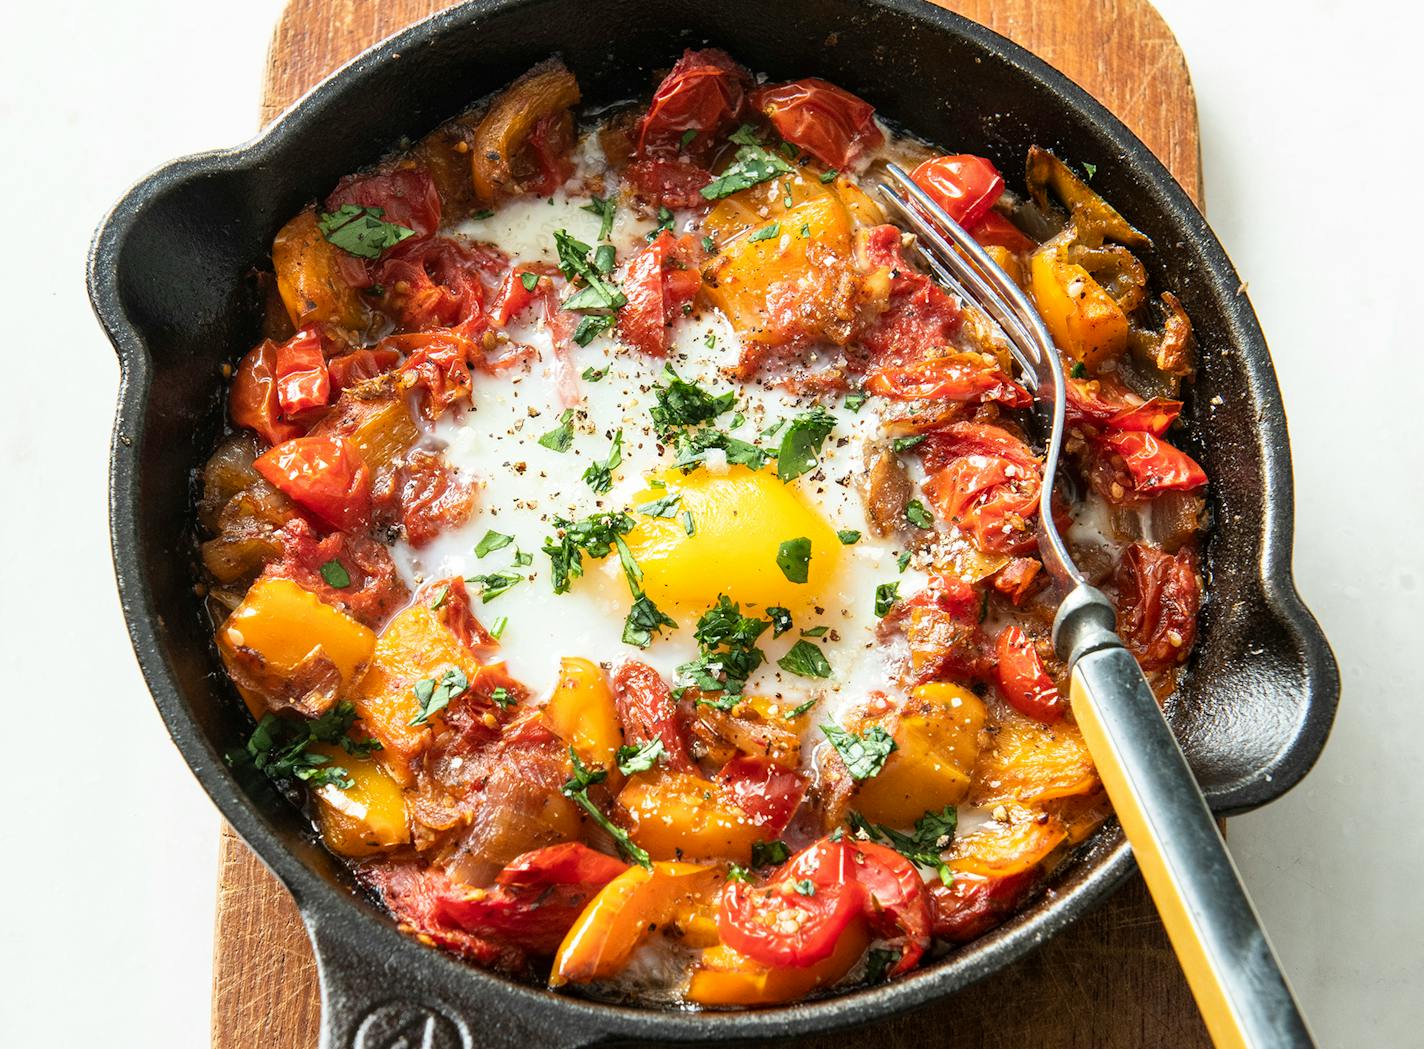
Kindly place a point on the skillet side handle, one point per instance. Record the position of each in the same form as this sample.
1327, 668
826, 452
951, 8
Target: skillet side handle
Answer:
1218, 939
370, 1002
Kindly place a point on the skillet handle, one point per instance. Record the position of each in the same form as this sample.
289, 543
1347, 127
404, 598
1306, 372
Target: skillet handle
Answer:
1218, 939
375, 1003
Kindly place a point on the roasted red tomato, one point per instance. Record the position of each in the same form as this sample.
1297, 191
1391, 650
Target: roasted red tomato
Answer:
704, 93
253, 401
516, 294
965, 186
985, 481
423, 496
439, 361
360, 365
1158, 598
660, 282
995, 231
826, 121
973, 904
550, 143
789, 923
438, 281
767, 792
407, 197
535, 899
372, 591
302, 380
896, 901
646, 711
1113, 408
1154, 464
1022, 679
667, 183
919, 314
955, 377
324, 476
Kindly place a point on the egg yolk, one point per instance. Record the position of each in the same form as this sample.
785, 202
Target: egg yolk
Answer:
740, 518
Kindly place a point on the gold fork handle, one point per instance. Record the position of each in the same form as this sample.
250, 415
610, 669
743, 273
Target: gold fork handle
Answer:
1233, 973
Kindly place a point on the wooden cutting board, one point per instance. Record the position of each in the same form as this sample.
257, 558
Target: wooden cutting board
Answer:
1109, 982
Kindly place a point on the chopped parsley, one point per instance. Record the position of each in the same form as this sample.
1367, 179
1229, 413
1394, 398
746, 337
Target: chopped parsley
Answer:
933, 833
501, 698
848, 536
594, 535
605, 258
815, 631
856, 400
878, 962
335, 574
769, 853
793, 557
687, 138
665, 222
727, 649
745, 135
600, 475
688, 525
596, 293
561, 437
576, 789
805, 660
594, 374
766, 233
780, 620
682, 403
496, 631
902, 560
752, 166
864, 756
801, 708
591, 326
1091, 169
692, 449
361, 231
918, 515
800, 448
278, 747
491, 542
1077, 371
435, 694
829, 175
886, 594
633, 759
644, 620
904, 444
806, 887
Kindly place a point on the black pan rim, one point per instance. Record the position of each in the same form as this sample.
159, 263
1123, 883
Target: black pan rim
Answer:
328, 909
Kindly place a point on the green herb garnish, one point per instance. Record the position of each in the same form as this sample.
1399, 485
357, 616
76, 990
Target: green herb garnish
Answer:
805, 660
361, 231
600, 475
576, 789
864, 756
335, 574
793, 557
561, 437
435, 694
751, 166
491, 542
800, 448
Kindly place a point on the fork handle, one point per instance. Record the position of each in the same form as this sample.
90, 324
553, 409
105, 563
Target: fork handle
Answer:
1233, 973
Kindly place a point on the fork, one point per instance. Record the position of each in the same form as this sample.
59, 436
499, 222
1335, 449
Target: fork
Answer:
1233, 973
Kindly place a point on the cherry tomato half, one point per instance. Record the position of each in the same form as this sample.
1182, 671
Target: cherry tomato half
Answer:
324, 476
780, 924
360, 365
826, 121
958, 377
897, 904
965, 186
646, 711
704, 93
1154, 464
1022, 679
252, 400
660, 281
767, 792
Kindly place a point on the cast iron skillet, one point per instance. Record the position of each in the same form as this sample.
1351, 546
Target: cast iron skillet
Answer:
168, 279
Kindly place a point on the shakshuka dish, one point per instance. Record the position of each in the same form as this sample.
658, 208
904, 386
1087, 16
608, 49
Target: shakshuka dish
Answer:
626, 551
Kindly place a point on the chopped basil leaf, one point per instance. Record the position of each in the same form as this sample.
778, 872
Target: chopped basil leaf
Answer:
664, 507
561, 437
709, 245
687, 137
934, 831
877, 963
766, 233
360, 231
522, 559
745, 135
769, 853
801, 443
1091, 169
864, 756
727, 649
692, 449
576, 788
591, 326
492, 584
793, 557
736, 873
918, 515
594, 535
903, 559
644, 620
710, 340
633, 759
801, 708
751, 166
804, 231
780, 620
605, 258
435, 694
600, 475
886, 594
440, 598
605, 210
491, 542
805, 660
483, 213
335, 574
529, 279
278, 748
574, 262
848, 536
904, 444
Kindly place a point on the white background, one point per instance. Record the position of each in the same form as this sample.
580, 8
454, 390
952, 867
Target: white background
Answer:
1311, 139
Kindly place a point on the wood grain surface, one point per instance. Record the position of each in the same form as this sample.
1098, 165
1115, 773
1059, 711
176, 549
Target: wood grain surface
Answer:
1109, 982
